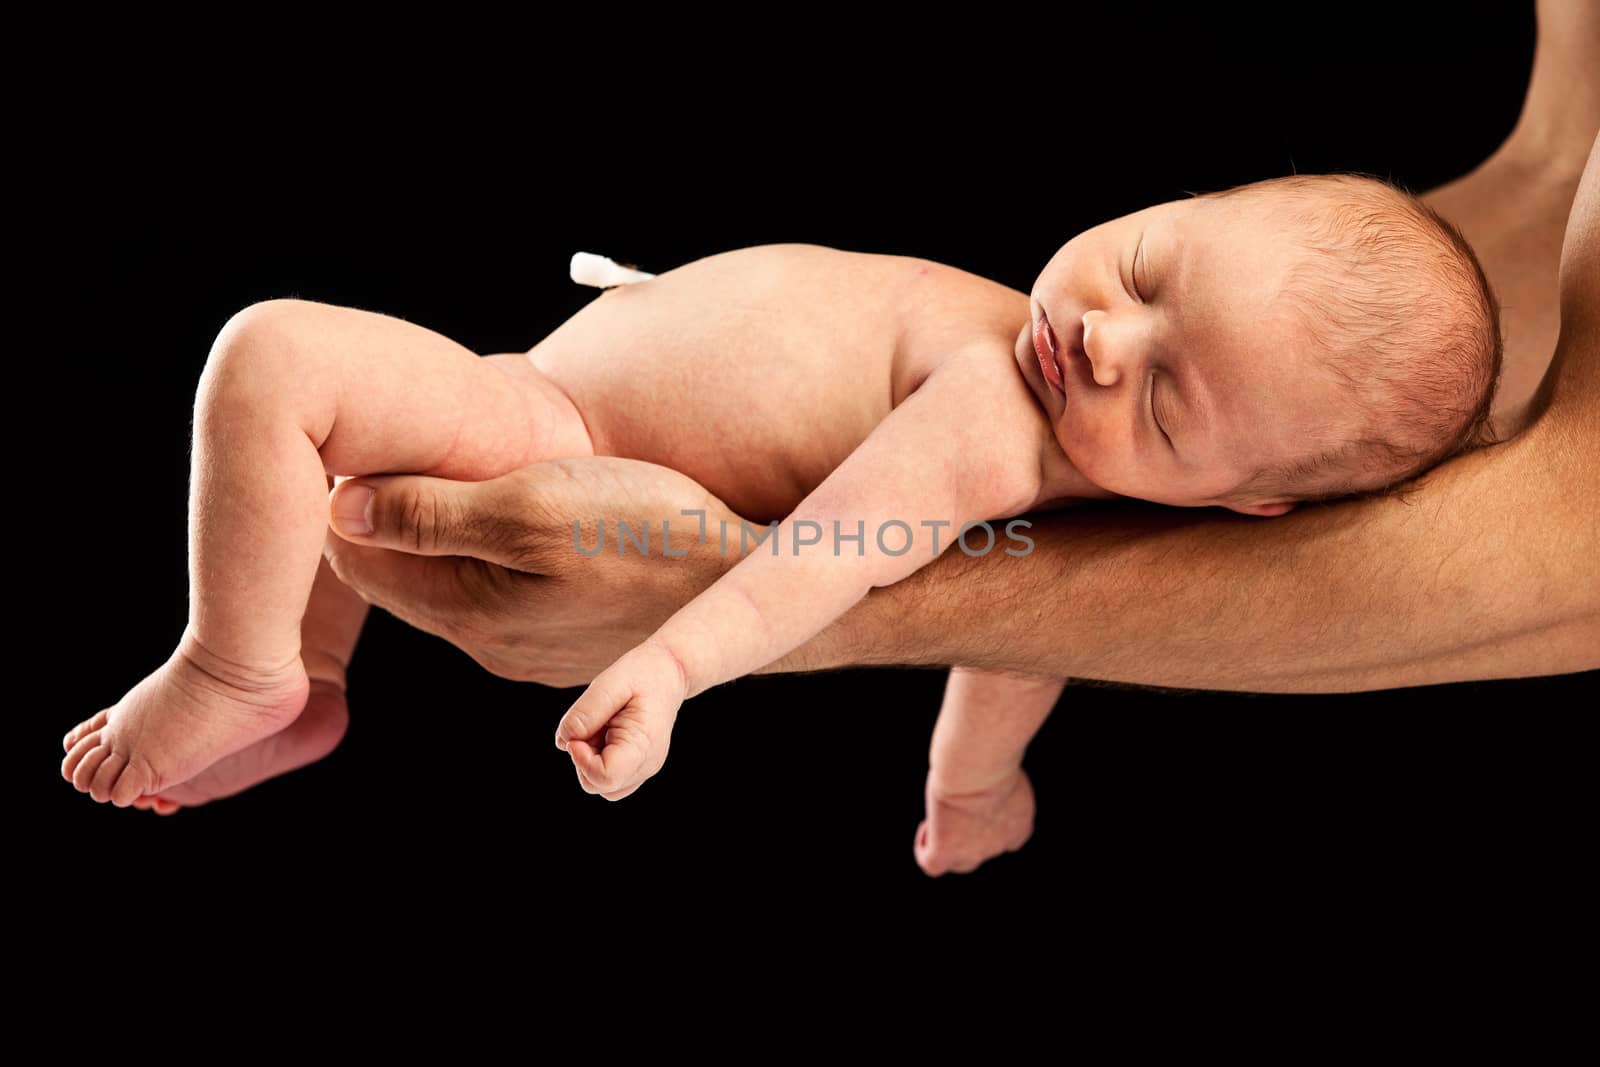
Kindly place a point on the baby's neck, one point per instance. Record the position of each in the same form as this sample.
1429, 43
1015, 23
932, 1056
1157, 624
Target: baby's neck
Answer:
1061, 482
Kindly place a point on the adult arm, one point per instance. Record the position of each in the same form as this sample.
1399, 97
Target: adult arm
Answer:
1485, 573
1513, 206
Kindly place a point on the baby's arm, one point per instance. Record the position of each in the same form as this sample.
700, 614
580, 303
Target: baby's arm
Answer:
984, 728
963, 447
979, 801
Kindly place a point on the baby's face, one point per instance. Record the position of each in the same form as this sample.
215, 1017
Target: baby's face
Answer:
1173, 378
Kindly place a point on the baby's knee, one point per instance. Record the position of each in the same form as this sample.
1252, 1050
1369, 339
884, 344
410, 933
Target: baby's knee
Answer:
259, 352
263, 319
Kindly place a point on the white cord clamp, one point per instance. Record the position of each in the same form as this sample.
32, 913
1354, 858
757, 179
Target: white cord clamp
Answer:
602, 272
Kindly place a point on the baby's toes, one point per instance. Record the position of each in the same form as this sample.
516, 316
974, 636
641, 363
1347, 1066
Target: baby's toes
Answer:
106, 775
98, 752
76, 756
156, 804
931, 852
130, 784
87, 726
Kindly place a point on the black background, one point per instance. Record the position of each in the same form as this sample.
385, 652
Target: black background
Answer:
455, 197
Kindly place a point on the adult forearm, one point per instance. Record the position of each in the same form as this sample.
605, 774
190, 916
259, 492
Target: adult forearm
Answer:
1362, 595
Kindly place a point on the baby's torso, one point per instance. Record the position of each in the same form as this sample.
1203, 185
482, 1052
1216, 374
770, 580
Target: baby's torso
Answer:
757, 371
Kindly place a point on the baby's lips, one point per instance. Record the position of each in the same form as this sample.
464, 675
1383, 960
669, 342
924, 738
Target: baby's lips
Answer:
1048, 350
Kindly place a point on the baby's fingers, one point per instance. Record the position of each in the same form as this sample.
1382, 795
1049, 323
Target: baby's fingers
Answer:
616, 794
613, 771
588, 714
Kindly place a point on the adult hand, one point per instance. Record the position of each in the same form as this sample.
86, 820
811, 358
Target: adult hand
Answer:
492, 566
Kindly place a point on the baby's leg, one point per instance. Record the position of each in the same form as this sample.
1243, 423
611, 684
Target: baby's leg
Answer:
979, 799
293, 391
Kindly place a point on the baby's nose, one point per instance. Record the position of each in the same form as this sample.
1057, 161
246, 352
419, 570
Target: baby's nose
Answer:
1099, 345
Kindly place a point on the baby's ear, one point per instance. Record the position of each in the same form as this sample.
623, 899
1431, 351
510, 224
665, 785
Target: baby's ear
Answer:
1265, 510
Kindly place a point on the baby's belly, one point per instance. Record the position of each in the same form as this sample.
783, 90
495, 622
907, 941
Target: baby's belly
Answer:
755, 372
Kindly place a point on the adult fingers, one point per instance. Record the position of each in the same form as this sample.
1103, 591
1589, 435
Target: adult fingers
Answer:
429, 516
434, 593
523, 520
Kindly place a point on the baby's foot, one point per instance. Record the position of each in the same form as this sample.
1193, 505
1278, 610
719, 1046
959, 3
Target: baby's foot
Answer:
963, 830
187, 714
317, 732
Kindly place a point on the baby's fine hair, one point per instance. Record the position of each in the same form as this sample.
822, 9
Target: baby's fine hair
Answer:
1399, 307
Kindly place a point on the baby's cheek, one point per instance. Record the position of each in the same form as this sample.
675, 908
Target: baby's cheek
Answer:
1108, 464
1078, 453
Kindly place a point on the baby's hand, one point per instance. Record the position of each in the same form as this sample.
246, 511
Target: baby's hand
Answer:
617, 732
963, 830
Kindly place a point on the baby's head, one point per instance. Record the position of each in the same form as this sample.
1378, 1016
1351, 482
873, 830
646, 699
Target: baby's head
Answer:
1296, 339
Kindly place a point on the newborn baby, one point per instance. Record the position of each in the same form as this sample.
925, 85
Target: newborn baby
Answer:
1297, 339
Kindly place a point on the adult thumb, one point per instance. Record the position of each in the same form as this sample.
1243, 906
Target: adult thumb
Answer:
412, 513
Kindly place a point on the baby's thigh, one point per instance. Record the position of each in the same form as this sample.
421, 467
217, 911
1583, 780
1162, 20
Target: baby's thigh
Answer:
380, 394
561, 430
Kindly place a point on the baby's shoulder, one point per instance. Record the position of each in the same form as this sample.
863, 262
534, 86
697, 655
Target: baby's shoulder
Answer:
945, 312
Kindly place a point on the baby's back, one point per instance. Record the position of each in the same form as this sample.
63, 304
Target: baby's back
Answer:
757, 371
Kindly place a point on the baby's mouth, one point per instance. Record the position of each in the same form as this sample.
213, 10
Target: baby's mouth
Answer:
1047, 349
